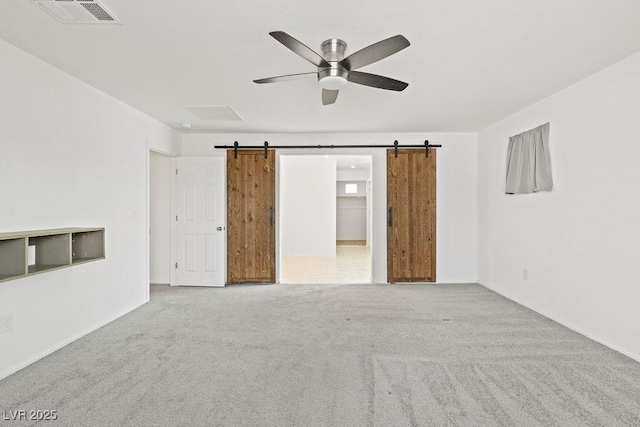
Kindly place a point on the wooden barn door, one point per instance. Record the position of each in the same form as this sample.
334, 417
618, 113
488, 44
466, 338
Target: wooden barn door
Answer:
251, 242
411, 216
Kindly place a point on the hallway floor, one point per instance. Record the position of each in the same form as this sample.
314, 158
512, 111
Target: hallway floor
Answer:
352, 264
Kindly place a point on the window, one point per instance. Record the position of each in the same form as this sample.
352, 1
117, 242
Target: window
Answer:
351, 189
528, 162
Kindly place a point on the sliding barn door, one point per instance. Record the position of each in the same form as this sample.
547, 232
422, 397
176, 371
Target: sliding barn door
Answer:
251, 236
411, 216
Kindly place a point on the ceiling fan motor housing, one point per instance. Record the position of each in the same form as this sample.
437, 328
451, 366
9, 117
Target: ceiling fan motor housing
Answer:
333, 50
334, 77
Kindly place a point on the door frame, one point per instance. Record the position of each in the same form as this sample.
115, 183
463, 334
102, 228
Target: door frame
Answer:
148, 151
370, 237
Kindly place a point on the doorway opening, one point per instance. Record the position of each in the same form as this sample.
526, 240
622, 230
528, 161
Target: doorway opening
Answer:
159, 210
325, 219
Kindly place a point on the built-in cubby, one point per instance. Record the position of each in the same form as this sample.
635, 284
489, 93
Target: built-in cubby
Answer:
51, 252
87, 246
32, 252
13, 258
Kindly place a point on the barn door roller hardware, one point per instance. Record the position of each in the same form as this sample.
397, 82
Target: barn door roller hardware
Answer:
266, 147
236, 147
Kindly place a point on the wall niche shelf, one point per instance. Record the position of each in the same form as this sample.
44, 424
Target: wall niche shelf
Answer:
27, 253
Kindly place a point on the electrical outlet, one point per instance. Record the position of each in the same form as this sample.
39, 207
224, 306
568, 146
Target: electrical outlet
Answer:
525, 274
6, 323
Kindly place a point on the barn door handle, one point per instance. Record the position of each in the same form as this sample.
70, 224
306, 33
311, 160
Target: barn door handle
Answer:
271, 213
390, 217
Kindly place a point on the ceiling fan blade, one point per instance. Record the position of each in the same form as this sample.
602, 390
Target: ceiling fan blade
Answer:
329, 96
285, 78
374, 80
375, 52
299, 48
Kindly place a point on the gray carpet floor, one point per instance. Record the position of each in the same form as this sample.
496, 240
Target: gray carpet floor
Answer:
325, 355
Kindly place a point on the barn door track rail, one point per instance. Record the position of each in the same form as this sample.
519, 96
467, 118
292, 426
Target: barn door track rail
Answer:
266, 147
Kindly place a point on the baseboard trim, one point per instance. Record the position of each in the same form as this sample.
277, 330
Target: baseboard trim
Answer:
564, 323
64, 343
185, 285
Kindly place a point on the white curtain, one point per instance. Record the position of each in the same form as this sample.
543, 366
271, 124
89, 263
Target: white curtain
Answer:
528, 162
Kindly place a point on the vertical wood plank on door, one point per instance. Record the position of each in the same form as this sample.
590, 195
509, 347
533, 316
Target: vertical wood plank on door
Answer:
250, 234
411, 195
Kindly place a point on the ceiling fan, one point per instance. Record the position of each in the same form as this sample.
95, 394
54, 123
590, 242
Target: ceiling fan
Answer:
335, 71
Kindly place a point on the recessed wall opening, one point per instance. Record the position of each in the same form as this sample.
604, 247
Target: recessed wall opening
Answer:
325, 218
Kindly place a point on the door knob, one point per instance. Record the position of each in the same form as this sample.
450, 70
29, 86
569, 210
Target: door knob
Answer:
219, 228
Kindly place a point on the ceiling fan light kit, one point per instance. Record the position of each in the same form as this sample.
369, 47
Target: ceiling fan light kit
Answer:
335, 71
333, 78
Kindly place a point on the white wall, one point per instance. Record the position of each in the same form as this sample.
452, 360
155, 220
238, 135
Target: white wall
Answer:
351, 219
307, 208
456, 173
368, 210
352, 175
71, 156
581, 242
351, 212
159, 218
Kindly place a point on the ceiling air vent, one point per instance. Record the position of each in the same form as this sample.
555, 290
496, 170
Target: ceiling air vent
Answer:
78, 11
214, 112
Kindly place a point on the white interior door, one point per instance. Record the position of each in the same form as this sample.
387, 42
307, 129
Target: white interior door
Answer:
200, 220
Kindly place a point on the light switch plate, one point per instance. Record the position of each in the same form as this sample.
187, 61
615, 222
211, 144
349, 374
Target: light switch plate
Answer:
6, 322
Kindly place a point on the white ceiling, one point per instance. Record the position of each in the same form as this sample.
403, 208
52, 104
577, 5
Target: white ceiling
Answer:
470, 63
